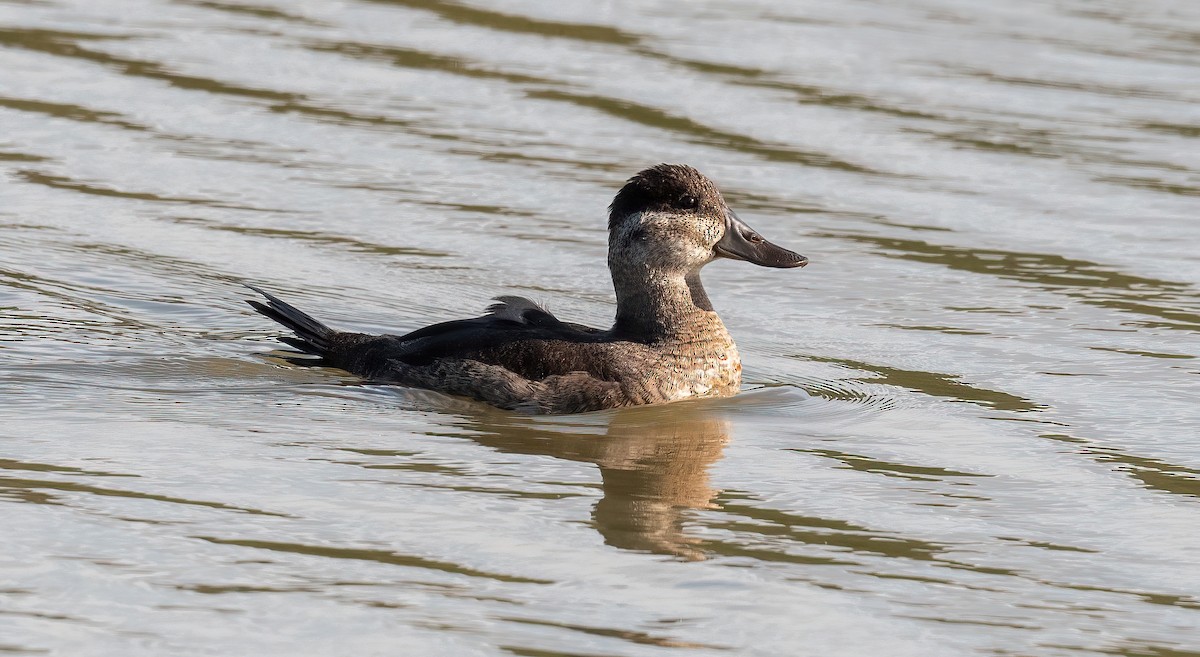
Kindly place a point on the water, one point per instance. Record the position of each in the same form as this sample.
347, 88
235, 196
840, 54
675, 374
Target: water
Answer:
969, 427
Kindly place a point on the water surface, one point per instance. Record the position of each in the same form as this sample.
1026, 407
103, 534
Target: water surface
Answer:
969, 427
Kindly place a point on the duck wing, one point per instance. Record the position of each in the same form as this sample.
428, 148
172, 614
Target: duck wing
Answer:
510, 321
515, 333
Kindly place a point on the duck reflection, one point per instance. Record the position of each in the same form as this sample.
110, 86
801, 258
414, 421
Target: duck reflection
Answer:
653, 466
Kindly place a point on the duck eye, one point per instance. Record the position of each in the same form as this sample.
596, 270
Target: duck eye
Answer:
688, 202
637, 234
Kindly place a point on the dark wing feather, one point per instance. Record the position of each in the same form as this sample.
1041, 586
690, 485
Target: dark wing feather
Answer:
511, 320
516, 333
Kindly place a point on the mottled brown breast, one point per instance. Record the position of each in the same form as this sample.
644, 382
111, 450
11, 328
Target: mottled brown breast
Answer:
703, 362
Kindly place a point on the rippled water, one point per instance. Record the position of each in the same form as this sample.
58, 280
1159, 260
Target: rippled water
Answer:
969, 427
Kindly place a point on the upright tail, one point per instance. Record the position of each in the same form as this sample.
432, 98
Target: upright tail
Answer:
312, 336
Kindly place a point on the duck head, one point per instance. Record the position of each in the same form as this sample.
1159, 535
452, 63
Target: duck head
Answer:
672, 219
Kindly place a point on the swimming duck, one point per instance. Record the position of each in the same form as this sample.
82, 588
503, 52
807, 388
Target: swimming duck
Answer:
666, 344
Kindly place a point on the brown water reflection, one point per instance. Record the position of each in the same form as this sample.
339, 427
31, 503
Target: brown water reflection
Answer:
653, 465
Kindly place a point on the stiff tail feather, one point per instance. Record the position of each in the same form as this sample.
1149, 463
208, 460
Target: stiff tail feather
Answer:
312, 337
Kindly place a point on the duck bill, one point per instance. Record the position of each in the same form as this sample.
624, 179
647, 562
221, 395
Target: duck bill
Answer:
742, 242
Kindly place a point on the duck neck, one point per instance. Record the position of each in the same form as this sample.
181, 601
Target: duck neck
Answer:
657, 305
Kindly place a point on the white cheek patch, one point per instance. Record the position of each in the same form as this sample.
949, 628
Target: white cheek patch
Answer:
667, 239
655, 221
713, 232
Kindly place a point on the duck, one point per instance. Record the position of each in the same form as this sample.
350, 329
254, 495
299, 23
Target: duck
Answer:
666, 344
